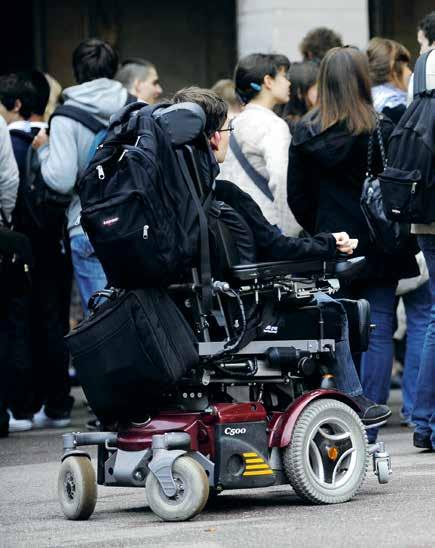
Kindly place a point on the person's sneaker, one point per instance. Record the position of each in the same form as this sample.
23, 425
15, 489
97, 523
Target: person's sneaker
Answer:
41, 420
371, 413
19, 425
422, 441
406, 421
93, 425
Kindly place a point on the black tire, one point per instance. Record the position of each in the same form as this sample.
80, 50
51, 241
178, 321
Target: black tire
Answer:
77, 488
191, 498
322, 468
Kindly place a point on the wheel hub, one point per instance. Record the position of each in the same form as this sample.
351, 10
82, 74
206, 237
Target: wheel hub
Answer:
331, 453
70, 486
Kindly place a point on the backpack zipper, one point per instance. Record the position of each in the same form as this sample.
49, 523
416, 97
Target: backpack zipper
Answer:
100, 172
145, 232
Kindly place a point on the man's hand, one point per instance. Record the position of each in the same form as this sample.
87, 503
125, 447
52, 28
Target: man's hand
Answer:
40, 139
344, 243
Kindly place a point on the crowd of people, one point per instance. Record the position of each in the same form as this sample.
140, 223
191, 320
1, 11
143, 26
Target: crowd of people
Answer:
298, 138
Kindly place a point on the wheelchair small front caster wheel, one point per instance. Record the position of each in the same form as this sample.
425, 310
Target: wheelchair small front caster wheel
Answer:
383, 470
77, 487
191, 496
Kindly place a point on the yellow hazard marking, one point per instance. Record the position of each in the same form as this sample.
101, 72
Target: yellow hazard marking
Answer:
250, 455
258, 473
254, 461
257, 466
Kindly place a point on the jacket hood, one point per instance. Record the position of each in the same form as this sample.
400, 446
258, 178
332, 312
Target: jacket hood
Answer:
329, 147
101, 97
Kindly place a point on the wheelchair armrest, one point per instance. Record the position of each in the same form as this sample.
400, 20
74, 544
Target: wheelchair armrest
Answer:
342, 269
262, 271
349, 268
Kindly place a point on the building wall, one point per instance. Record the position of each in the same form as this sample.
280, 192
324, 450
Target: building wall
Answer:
190, 42
280, 25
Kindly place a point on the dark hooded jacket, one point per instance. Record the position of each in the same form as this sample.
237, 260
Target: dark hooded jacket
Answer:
325, 177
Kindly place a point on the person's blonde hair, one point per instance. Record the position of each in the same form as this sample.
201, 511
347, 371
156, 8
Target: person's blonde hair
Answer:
55, 94
226, 89
344, 92
387, 59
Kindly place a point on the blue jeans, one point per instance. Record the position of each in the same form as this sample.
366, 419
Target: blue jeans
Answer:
377, 362
417, 306
424, 407
345, 375
88, 272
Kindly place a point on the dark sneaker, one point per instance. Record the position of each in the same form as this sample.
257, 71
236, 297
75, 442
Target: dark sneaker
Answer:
371, 413
422, 442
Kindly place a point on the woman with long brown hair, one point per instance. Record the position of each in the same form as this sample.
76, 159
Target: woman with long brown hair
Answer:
327, 167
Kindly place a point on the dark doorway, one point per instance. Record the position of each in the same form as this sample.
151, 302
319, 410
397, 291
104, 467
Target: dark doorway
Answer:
17, 37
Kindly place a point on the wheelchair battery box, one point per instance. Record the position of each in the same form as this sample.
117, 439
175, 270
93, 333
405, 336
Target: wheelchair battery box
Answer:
129, 350
242, 455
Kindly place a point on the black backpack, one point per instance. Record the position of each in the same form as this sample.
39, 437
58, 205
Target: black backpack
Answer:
40, 208
408, 183
140, 209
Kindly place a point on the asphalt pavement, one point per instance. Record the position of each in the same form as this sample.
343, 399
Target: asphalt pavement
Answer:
399, 514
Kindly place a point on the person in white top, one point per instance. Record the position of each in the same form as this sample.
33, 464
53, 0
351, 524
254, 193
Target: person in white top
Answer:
258, 156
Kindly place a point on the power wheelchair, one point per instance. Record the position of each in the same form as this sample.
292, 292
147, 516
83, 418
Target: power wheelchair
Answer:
261, 408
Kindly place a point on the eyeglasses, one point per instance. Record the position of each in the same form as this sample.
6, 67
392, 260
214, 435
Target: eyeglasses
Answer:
229, 128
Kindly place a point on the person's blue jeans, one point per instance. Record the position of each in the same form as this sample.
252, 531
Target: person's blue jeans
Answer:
417, 306
377, 362
345, 375
424, 408
88, 272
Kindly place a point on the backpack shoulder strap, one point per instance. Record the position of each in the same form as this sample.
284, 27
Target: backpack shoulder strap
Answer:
259, 181
420, 84
79, 115
24, 135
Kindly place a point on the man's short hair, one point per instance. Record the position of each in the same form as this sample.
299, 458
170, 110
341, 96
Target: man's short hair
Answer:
427, 25
133, 68
15, 86
215, 108
94, 59
317, 42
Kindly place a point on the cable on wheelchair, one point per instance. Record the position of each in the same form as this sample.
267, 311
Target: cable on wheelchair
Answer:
231, 346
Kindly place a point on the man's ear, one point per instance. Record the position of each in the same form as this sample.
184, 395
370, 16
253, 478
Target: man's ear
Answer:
135, 86
215, 139
18, 105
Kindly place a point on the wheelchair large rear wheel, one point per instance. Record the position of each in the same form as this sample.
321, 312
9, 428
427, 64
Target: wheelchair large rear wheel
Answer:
326, 460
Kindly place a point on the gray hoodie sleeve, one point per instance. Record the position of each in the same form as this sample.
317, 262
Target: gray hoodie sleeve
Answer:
9, 177
59, 159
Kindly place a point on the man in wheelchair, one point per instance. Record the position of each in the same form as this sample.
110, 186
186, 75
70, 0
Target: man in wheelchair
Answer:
272, 245
173, 390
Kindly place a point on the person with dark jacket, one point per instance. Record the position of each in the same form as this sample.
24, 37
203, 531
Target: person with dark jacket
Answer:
327, 167
38, 358
271, 244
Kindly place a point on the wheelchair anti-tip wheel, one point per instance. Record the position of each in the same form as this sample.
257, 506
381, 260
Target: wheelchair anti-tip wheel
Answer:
77, 487
326, 460
191, 496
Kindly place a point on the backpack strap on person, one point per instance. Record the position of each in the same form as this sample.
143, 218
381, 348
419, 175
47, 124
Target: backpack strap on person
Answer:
420, 83
206, 280
79, 115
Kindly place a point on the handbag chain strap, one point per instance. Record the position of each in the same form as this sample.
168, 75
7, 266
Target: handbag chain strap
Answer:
370, 149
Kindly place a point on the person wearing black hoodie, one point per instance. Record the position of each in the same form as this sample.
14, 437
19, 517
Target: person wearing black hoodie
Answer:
327, 168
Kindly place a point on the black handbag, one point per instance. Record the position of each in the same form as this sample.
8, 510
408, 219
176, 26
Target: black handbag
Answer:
387, 236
